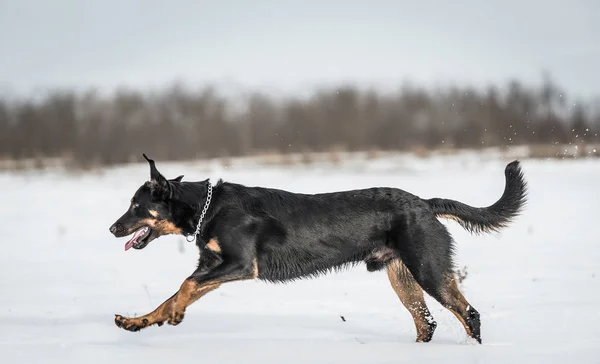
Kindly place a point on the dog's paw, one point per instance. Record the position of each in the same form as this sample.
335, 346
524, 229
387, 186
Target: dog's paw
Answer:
131, 324
176, 318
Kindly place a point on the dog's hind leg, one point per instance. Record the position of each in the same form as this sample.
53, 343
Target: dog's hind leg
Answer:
451, 298
411, 296
426, 250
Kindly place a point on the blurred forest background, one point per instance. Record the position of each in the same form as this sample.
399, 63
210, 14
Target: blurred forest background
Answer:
179, 122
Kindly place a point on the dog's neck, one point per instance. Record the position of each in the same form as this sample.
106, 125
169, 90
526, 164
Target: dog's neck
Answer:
195, 196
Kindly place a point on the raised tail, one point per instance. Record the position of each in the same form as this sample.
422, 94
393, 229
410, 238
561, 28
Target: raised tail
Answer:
492, 218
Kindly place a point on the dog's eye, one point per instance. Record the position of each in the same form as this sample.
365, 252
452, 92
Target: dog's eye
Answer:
135, 206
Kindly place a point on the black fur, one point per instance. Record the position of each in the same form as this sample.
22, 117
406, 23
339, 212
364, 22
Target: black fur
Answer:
290, 236
494, 217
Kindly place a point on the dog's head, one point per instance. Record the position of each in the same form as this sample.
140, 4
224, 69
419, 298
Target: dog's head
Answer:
150, 213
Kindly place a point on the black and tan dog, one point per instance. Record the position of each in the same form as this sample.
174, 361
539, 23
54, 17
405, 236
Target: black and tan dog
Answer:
278, 236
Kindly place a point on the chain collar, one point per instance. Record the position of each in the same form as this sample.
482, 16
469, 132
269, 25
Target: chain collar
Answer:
206, 204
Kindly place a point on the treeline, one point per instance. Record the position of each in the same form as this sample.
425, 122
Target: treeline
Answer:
181, 123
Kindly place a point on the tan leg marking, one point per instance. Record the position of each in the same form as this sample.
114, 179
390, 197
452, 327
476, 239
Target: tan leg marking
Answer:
411, 296
173, 309
187, 295
456, 298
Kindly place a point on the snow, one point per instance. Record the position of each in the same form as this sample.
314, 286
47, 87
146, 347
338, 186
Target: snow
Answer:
63, 275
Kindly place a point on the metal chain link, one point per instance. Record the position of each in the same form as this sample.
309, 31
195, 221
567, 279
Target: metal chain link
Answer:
206, 204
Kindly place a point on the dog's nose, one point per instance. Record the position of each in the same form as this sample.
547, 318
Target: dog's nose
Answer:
113, 229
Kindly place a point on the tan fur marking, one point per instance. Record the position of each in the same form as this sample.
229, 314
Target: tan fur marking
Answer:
173, 309
254, 269
462, 321
154, 213
162, 227
450, 217
455, 298
165, 227
213, 245
382, 253
188, 293
411, 295
456, 302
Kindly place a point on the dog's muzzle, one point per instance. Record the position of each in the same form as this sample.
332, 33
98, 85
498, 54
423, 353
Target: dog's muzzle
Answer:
117, 229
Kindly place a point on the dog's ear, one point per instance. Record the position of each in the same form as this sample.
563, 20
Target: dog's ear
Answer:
177, 179
160, 187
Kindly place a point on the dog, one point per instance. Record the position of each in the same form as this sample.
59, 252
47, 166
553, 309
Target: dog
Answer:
273, 235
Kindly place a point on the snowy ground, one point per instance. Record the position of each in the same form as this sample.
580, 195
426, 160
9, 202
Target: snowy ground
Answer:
63, 276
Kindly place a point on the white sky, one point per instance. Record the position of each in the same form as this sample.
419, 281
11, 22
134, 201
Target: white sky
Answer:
292, 44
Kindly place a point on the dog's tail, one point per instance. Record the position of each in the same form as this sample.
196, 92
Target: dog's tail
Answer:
492, 218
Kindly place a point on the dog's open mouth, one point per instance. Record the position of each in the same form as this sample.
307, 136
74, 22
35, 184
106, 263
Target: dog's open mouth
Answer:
141, 238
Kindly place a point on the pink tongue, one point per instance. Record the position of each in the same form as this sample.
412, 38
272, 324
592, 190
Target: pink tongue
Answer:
133, 240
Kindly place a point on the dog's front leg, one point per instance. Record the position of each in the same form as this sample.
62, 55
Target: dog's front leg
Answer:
201, 283
163, 312
197, 285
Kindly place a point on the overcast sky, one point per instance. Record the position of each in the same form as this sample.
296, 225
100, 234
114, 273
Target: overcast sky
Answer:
293, 44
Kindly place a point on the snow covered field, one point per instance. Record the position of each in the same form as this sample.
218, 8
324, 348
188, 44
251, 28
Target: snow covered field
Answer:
63, 276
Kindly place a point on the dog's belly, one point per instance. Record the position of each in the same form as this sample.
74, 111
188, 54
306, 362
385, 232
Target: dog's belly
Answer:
326, 239
287, 262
